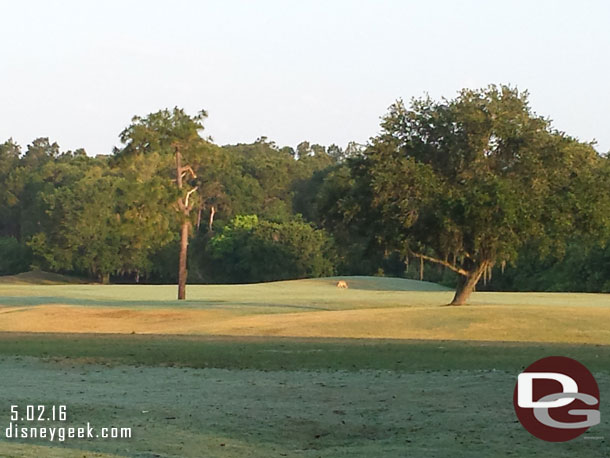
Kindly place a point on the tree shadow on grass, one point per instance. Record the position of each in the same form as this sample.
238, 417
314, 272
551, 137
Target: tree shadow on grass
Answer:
33, 301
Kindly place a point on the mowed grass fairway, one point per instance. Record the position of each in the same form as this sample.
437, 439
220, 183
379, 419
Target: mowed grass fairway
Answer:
371, 308
297, 368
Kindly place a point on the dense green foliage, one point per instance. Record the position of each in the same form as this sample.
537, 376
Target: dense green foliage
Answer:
248, 250
476, 186
115, 216
581, 269
465, 183
14, 256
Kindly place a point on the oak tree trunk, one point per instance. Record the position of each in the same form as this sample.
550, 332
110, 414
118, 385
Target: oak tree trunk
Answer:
467, 283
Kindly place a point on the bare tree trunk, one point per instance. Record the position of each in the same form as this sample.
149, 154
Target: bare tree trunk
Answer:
185, 208
182, 270
467, 283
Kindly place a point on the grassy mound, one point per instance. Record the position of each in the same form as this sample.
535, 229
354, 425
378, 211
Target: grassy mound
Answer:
38, 277
378, 283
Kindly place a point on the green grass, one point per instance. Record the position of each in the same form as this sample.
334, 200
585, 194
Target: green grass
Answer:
372, 307
284, 296
262, 397
264, 353
447, 393
313, 294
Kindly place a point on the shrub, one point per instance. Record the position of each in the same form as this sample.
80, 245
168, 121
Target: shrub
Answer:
252, 250
14, 257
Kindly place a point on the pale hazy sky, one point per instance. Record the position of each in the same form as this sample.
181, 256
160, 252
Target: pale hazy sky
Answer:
323, 71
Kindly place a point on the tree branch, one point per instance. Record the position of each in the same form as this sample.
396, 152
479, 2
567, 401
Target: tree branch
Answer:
188, 195
441, 262
187, 169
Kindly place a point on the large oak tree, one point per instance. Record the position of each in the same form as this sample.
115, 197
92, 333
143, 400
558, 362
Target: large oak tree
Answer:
466, 182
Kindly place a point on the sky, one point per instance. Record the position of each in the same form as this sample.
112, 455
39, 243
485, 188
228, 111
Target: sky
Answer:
321, 71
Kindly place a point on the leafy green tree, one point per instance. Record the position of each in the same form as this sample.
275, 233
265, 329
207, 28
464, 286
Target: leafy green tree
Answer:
30, 181
80, 216
9, 160
259, 180
340, 202
21, 179
252, 250
40, 151
466, 182
145, 215
82, 230
583, 268
262, 179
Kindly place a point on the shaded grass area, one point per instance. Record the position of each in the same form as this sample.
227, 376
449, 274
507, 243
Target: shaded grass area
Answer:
178, 412
276, 397
274, 353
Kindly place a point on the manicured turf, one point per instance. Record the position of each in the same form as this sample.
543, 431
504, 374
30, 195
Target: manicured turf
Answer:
298, 368
371, 308
273, 353
235, 397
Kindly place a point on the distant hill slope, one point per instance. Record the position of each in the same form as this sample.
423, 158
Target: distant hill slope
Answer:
38, 277
373, 283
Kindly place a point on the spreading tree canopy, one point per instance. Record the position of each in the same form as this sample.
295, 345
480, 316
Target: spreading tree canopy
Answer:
466, 182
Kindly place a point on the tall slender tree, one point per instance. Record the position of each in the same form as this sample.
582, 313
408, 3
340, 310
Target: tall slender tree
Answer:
185, 205
168, 144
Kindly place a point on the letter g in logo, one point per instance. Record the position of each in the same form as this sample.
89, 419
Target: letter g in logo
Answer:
555, 397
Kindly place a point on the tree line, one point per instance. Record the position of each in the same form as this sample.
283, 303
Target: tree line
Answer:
473, 191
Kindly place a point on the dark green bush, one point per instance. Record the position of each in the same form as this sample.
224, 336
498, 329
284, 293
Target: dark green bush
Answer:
14, 257
252, 250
